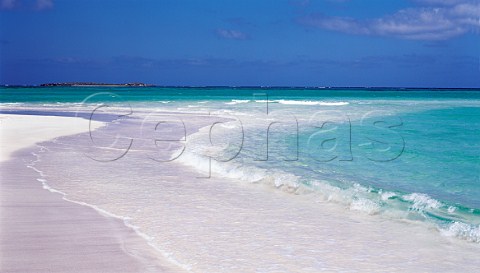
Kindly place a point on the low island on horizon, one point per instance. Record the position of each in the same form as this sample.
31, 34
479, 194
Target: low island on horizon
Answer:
141, 84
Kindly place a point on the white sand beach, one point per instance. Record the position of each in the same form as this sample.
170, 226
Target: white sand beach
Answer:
20, 131
40, 231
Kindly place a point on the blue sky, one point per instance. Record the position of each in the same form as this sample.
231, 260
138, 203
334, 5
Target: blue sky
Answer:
407, 43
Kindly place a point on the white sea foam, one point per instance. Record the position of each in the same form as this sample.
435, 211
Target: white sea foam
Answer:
365, 205
422, 201
4, 104
464, 231
275, 178
387, 195
307, 102
451, 209
354, 197
233, 102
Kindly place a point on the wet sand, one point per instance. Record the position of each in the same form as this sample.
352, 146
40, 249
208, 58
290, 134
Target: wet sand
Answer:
42, 232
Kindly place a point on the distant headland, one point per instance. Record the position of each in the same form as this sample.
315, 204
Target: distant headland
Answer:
95, 84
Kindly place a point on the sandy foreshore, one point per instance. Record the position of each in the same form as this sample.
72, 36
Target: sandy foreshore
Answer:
40, 231
21, 131
202, 225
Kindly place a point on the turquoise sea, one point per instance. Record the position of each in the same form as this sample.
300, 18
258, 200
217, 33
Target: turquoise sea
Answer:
409, 154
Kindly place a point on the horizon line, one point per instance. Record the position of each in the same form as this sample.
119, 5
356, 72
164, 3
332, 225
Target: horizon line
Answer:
122, 85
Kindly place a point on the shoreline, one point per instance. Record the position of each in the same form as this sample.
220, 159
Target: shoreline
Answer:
43, 231
205, 230
37, 128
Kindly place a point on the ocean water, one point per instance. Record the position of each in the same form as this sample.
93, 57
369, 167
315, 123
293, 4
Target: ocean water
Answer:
191, 162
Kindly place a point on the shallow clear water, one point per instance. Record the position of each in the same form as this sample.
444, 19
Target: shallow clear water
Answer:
409, 159
399, 155
396, 140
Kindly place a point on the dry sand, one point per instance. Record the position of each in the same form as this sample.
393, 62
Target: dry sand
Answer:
20, 131
40, 231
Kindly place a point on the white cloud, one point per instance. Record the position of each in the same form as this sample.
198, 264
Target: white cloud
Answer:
44, 4
29, 4
8, 4
440, 2
421, 23
232, 34
467, 9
